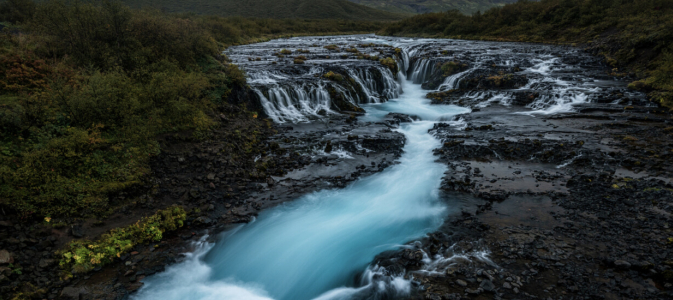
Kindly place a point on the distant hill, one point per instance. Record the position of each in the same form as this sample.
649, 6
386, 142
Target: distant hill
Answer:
425, 6
277, 9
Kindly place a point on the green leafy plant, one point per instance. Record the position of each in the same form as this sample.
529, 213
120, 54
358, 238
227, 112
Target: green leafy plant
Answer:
82, 256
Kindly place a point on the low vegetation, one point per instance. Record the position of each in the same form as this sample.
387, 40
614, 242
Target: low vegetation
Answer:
425, 6
450, 68
391, 64
87, 87
333, 76
634, 35
278, 9
83, 255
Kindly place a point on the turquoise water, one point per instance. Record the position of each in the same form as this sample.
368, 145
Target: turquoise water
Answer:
317, 245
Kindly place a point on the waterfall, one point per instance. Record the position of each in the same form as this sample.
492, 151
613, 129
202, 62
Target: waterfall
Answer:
452, 81
294, 103
284, 100
421, 69
315, 246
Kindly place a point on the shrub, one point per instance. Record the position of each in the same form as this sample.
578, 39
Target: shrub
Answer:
333, 76
110, 35
300, 59
390, 63
23, 73
331, 47
17, 11
83, 255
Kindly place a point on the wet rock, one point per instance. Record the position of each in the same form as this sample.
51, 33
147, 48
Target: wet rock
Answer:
45, 263
73, 293
203, 220
461, 282
6, 257
76, 231
487, 285
622, 264
328, 147
134, 286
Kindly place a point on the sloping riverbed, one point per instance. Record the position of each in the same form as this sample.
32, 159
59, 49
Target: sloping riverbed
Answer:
323, 245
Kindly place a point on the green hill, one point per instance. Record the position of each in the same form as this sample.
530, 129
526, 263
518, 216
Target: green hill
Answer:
277, 9
426, 6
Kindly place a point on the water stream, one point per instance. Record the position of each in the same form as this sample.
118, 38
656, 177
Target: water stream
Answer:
321, 242
321, 245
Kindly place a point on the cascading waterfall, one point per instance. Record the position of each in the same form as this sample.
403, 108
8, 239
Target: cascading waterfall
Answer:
421, 70
452, 81
286, 101
314, 247
294, 103
375, 92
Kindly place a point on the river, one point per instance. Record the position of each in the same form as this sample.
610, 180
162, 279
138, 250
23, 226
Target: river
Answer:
321, 245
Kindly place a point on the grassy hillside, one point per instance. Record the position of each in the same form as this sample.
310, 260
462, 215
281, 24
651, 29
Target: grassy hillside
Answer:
426, 6
278, 9
633, 35
87, 87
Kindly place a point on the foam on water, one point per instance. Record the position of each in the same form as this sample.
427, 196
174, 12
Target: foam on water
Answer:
316, 245
320, 246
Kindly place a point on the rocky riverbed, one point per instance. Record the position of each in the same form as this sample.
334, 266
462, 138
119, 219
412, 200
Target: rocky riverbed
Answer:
559, 177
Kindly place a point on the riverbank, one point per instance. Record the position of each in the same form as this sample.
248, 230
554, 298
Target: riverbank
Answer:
205, 178
87, 121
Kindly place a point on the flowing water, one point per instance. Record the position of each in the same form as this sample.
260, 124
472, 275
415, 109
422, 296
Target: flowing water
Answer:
321, 245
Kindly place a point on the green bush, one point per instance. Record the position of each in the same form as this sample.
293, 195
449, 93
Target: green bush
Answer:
17, 11
391, 64
110, 35
83, 255
333, 76
87, 87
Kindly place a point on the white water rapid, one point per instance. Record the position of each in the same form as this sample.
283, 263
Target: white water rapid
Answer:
321, 245
314, 247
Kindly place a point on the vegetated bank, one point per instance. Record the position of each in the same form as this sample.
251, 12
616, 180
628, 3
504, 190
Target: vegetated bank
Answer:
278, 9
90, 94
634, 36
426, 6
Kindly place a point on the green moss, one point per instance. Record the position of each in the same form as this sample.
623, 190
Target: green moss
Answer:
333, 76
83, 255
450, 68
391, 64
331, 47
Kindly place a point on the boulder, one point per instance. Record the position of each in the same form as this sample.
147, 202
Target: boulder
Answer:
6, 257
73, 293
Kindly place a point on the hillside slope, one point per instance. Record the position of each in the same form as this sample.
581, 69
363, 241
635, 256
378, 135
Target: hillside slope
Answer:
426, 6
278, 9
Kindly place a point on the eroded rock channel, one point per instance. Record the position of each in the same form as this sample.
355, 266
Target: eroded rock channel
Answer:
431, 169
